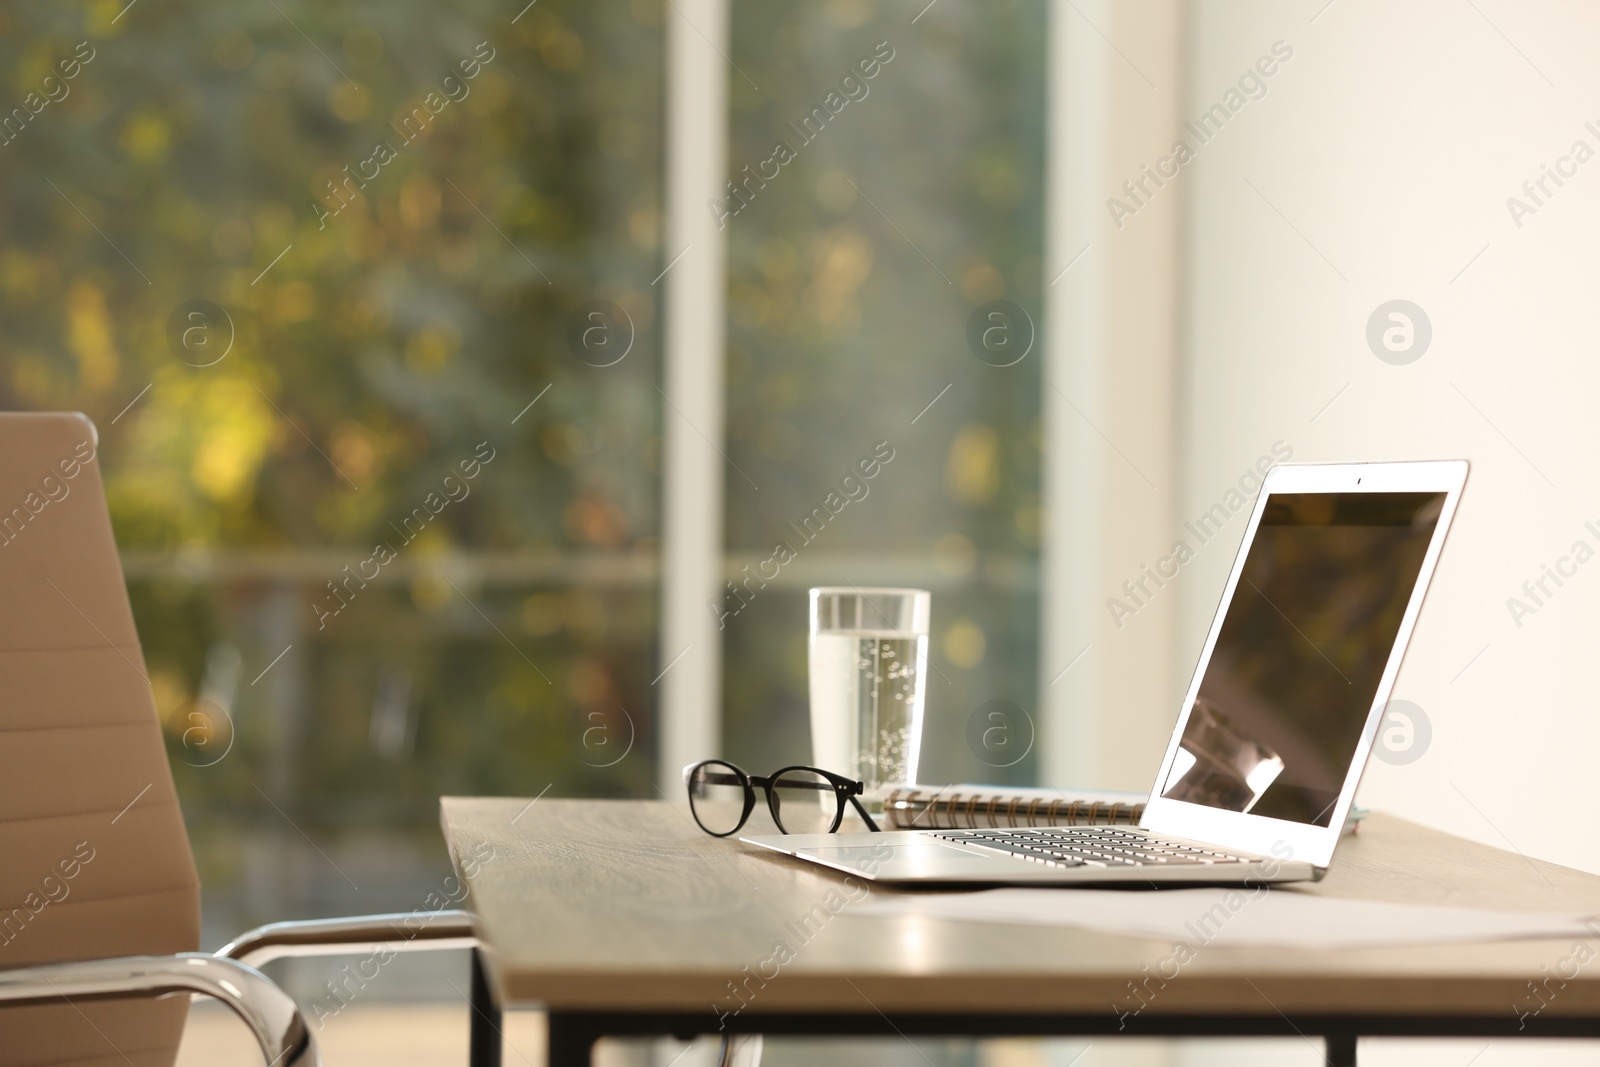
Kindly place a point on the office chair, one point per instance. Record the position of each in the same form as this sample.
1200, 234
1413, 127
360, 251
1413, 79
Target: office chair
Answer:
99, 898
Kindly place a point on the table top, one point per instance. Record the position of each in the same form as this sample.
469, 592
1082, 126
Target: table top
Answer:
607, 905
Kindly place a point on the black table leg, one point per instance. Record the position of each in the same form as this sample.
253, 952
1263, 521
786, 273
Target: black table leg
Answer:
1341, 1050
570, 1041
485, 1041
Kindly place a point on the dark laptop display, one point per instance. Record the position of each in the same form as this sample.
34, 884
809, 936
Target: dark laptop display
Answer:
1301, 652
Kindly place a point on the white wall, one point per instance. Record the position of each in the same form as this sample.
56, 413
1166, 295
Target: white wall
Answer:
1392, 141
1109, 395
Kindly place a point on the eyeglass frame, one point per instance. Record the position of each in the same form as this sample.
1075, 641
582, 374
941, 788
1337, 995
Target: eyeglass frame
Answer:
845, 789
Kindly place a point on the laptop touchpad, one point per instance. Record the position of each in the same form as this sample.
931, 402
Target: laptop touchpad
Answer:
925, 859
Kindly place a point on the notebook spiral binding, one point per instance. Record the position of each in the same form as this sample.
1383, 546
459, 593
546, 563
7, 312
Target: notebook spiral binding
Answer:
915, 809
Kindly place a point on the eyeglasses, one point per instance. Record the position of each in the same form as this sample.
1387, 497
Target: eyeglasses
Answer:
722, 796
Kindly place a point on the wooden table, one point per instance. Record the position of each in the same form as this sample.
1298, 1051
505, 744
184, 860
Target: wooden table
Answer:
622, 918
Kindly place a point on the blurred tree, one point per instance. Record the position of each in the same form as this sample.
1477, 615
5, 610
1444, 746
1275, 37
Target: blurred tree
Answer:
913, 196
369, 351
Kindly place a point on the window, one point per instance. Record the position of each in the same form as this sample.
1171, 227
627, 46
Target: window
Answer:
329, 279
852, 276
316, 271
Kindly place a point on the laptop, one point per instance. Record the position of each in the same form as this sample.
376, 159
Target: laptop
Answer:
1278, 720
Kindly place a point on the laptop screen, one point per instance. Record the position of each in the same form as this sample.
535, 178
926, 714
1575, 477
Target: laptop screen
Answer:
1301, 652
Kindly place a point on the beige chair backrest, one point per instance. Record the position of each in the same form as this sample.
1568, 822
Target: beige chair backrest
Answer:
94, 858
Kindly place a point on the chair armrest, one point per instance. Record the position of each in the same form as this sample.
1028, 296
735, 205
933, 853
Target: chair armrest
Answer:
403, 931
271, 1014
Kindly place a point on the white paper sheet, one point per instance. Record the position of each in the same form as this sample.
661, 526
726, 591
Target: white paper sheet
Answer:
1237, 917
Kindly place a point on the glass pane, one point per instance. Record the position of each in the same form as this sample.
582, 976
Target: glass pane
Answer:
326, 276
886, 192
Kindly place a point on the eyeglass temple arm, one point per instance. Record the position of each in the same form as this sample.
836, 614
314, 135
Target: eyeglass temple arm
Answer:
863, 811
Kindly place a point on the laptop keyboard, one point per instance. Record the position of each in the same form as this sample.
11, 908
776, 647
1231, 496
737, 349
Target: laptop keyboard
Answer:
1089, 846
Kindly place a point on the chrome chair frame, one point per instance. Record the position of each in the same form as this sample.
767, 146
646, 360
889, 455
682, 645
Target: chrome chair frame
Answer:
230, 975
273, 1017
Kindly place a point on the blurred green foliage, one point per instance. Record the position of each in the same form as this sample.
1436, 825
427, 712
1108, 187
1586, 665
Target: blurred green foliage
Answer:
374, 349
852, 275
375, 353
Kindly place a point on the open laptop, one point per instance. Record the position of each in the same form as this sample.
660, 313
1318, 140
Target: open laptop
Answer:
1278, 720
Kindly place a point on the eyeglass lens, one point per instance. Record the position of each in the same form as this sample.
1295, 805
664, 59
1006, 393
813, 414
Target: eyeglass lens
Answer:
803, 801
718, 797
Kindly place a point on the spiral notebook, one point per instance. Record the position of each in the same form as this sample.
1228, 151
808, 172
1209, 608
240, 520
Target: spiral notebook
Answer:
973, 807
980, 807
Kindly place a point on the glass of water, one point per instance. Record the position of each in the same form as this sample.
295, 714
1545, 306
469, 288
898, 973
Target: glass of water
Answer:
869, 656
